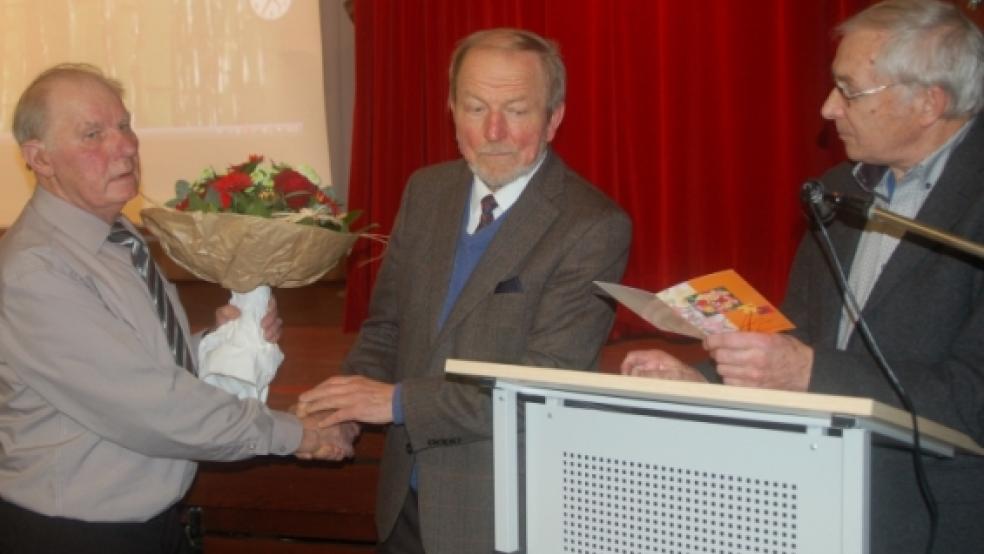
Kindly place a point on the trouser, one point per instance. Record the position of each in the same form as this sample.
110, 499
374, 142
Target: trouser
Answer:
23, 531
405, 536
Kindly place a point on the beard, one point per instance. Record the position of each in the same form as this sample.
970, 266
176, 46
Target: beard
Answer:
502, 177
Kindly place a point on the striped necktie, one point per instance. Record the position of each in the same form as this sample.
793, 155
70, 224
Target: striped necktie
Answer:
150, 273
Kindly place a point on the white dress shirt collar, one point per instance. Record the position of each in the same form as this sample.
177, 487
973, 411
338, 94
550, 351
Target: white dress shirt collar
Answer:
505, 197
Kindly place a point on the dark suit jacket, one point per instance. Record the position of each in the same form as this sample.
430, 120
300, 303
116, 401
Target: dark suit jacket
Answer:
529, 301
926, 311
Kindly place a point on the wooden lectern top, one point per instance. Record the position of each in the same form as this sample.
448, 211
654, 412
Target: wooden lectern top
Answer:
708, 394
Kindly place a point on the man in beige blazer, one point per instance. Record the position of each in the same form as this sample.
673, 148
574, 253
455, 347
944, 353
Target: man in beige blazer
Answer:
491, 258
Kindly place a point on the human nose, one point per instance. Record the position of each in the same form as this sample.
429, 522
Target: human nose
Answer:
495, 127
833, 106
127, 142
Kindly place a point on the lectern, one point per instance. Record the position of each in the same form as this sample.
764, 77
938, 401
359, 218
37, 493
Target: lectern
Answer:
598, 463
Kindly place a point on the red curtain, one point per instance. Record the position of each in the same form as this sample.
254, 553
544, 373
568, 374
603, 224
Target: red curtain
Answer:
701, 118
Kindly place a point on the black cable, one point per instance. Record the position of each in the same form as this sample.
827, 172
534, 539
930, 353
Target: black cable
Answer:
887, 371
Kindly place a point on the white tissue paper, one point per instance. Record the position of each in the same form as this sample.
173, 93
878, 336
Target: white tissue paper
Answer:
235, 357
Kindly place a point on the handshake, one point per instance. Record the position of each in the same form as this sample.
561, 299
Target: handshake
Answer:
332, 443
332, 411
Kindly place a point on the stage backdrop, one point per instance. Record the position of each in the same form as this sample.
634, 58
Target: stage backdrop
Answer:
208, 81
701, 118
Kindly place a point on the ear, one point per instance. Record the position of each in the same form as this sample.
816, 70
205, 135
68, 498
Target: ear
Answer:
36, 155
934, 103
555, 118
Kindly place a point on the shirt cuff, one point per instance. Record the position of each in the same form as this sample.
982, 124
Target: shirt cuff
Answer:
398, 404
287, 433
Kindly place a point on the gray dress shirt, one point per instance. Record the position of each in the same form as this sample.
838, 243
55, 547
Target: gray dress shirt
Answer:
96, 421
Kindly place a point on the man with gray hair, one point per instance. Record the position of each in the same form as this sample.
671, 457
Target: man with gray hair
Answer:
491, 258
101, 414
906, 101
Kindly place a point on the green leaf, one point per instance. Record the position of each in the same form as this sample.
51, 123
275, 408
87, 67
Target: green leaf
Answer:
197, 204
250, 205
350, 217
181, 189
213, 203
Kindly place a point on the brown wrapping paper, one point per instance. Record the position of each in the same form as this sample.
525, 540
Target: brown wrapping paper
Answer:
242, 252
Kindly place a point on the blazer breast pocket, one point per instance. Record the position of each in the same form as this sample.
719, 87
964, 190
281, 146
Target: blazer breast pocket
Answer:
509, 286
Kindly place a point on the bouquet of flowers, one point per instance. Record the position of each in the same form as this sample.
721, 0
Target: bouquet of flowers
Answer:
253, 227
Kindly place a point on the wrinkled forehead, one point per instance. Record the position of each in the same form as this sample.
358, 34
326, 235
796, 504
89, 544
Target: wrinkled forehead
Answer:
82, 97
857, 56
501, 66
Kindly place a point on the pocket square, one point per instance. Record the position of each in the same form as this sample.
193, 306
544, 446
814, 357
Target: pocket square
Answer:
509, 285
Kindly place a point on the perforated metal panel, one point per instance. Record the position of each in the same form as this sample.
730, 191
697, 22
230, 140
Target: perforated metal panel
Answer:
624, 506
601, 481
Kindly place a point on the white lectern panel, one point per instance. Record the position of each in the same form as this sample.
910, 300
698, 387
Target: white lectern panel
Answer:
603, 481
617, 464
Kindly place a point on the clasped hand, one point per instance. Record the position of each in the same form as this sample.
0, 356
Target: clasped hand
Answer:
271, 324
332, 443
332, 410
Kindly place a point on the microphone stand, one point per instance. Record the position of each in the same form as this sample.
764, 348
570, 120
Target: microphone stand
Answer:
822, 206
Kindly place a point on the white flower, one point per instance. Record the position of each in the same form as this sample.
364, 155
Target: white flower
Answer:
206, 175
261, 177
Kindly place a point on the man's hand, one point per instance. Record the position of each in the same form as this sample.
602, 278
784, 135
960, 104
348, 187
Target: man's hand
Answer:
271, 324
764, 360
349, 398
329, 443
659, 365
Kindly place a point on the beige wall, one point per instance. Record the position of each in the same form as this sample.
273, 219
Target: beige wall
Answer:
208, 81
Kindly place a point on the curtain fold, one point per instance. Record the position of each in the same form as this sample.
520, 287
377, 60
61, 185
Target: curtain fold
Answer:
700, 118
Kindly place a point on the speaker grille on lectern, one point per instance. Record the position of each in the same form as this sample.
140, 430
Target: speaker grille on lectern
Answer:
625, 507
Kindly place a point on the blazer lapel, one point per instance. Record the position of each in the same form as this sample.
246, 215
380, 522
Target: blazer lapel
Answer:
440, 260
952, 195
526, 222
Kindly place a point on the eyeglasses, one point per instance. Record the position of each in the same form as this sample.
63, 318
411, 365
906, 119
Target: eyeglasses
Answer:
850, 95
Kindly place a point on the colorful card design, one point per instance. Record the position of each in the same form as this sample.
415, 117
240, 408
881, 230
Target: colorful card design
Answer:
720, 302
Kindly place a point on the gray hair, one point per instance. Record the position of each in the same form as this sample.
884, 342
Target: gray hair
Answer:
518, 40
31, 114
930, 43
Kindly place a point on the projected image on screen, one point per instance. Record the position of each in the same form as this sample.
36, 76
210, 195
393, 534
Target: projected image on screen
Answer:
208, 81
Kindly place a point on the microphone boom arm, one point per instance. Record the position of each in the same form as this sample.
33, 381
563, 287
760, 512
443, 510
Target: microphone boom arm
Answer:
928, 231
825, 203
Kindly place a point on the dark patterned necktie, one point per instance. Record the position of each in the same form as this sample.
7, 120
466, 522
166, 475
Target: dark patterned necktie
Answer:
488, 204
147, 269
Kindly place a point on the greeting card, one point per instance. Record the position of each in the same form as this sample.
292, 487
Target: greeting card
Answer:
720, 302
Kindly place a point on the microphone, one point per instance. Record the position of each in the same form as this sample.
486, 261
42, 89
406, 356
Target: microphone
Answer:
811, 195
824, 206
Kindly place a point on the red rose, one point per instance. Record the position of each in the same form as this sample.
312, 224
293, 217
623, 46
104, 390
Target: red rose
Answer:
250, 164
296, 188
229, 184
